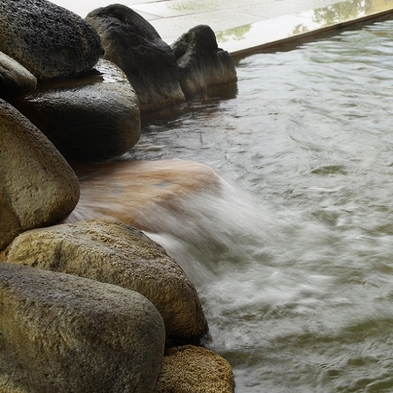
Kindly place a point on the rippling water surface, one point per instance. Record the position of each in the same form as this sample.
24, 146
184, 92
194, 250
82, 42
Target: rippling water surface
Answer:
294, 264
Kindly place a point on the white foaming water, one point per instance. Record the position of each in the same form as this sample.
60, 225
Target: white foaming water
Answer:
234, 250
210, 232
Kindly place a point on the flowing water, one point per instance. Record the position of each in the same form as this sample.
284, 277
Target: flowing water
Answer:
294, 264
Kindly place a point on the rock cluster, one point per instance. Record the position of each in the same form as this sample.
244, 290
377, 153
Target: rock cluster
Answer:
162, 75
94, 305
113, 253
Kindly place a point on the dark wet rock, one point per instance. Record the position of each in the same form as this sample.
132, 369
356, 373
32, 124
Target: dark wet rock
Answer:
15, 80
48, 40
90, 118
202, 64
61, 333
118, 254
134, 45
37, 186
194, 369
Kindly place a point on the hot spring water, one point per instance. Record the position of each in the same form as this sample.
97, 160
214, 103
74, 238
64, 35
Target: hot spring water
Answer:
294, 264
294, 261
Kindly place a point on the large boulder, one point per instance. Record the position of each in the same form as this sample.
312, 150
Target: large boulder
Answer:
134, 45
118, 254
190, 369
61, 333
37, 186
202, 64
48, 40
15, 80
90, 118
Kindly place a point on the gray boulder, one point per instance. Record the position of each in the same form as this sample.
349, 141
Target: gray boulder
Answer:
134, 45
202, 64
118, 254
48, 40
37, 186
61, 333
89, 118
15, 80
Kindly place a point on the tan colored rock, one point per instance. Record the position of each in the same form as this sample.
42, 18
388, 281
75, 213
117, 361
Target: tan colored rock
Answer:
61, 333
15, 80
37, 186
89, 118
7, 386
131, 192
114, 253
190, 369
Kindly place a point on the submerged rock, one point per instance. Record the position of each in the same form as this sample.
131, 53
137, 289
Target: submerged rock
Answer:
202, 64
194, 370
89, 118
134, 45
37, 186
139, 192
118, 254
61, 333
15, 80
48, 40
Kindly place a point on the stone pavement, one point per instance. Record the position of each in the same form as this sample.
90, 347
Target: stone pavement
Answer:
244, 25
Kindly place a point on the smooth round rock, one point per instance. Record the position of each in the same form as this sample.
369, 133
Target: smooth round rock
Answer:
61, 333
90, 118
37, 186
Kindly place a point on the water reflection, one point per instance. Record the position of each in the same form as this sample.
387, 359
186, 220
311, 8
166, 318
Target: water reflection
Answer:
272, 30
237, 33
342, 12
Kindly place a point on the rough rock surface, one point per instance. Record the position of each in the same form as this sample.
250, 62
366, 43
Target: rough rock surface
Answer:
37, 186
134, 45
202, 64
15, 80
9, 386
190, 369
48, 40
118, 254
62, 333
90, 118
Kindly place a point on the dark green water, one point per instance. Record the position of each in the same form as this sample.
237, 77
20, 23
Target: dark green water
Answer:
294, 264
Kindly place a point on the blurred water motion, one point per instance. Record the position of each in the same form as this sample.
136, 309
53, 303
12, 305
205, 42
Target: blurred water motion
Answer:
294, 265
